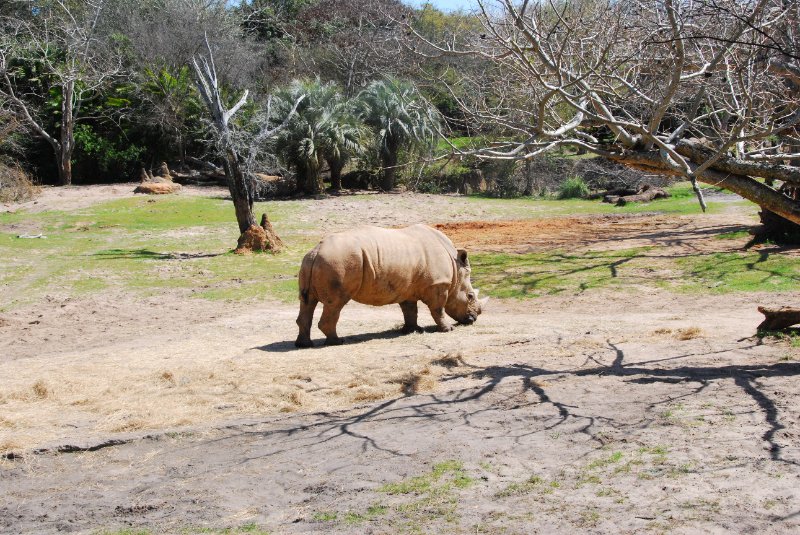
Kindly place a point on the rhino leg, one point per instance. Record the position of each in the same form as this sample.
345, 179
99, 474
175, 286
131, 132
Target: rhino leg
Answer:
410, 317
328, 321
304, 320
436, 306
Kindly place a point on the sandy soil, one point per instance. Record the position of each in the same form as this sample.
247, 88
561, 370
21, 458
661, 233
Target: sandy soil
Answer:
640, 411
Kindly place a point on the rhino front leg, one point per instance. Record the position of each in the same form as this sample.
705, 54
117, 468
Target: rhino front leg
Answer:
328, 321
410, 317
436, 306
304, 320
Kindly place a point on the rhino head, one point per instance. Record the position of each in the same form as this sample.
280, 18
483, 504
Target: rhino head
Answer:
463, 305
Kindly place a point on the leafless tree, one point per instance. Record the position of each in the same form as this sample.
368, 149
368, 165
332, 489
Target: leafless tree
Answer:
704, 89
237, 151
59, 38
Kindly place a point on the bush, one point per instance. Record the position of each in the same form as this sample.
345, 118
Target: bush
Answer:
15, 184
573, 188
505, 176
437, 178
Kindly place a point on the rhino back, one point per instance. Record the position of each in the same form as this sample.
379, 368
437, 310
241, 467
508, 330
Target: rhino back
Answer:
379, 266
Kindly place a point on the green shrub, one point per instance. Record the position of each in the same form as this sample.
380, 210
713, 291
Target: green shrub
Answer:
439, 178
573, 188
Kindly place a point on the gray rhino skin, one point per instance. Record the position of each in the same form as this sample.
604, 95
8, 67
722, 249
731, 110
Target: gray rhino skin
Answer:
378, 266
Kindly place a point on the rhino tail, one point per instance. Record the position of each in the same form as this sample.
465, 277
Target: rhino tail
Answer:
304, 278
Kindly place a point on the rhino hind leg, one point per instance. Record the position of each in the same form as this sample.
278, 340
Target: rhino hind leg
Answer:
304, 320
328, 321
410, 317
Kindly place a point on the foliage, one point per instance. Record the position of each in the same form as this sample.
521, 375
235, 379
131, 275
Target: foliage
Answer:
399, 117
108, 156
324, 127
446, 177
505, 177
573, 188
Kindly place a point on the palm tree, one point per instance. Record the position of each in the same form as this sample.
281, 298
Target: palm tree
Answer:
300, 144
400, 117
325, 128
343, 138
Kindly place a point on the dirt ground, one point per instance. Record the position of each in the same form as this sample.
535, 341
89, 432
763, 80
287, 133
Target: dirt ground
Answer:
604, 411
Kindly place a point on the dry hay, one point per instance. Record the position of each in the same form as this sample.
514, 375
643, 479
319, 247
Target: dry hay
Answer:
157, 188
16, 185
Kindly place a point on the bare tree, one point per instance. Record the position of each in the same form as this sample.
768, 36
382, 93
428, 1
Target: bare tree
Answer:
708, 90
60, 41
236, 155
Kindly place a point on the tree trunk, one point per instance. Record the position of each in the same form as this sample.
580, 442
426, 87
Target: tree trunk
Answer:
308, 179
336, 174
776, 319
67, 135
528, 179
242, 191
389, 161
745, 186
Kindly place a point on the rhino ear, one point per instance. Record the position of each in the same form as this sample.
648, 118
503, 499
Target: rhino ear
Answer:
462, 257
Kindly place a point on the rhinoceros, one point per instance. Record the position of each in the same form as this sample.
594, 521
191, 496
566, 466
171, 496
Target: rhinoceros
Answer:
378, 266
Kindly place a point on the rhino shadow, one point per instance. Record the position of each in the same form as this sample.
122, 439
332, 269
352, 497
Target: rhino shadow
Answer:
286, 346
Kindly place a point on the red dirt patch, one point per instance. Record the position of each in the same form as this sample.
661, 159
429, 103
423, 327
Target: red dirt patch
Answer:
607, 232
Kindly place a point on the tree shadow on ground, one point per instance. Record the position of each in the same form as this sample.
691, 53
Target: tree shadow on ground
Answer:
329, 427
146, 254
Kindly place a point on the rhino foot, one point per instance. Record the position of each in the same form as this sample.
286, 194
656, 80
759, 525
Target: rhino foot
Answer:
408, 329
301, 342
334, 341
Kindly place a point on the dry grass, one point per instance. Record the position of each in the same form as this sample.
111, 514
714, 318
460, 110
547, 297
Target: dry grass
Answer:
415, 382
689, 333
368, 395
450, 360
40, 389
16, 185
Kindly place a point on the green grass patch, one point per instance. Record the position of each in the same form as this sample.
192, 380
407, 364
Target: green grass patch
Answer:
325, 516
600, 463
735, 235
462, 143
531, 275
372, 512
451, 471
532, 484
250, 528
537, 274
739, 272
682, 201
429, 498
147, 245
